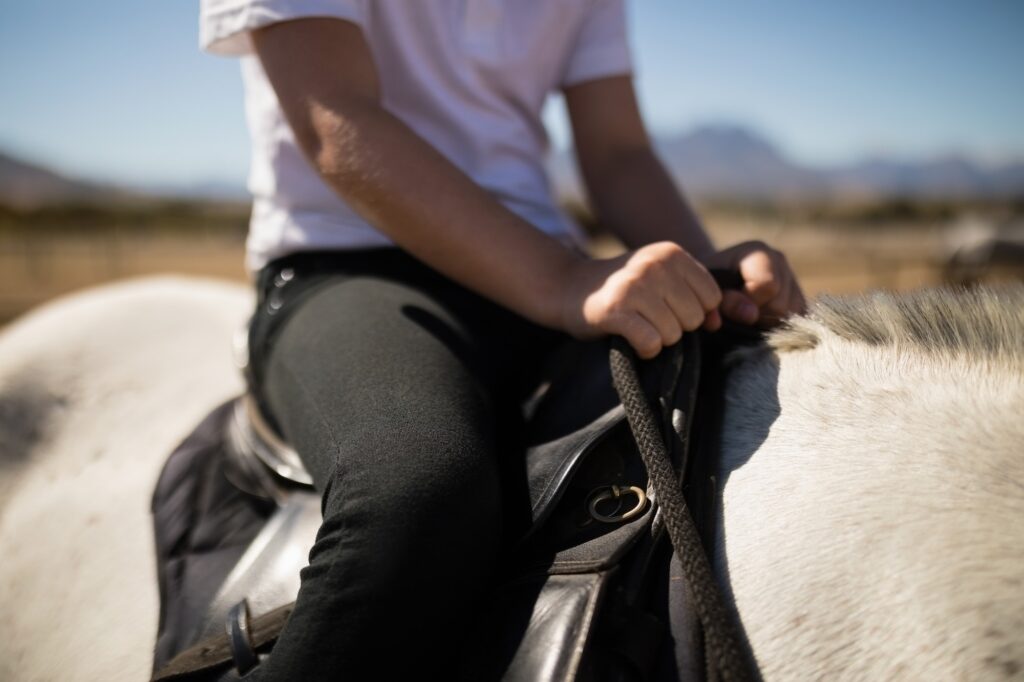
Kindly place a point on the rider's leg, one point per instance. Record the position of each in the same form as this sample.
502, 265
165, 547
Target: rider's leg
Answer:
389, 390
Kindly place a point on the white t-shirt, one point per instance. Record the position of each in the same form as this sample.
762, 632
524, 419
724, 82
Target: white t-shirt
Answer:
469, 76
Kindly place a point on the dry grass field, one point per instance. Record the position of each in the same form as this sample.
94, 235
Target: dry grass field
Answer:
46, 257
37, 269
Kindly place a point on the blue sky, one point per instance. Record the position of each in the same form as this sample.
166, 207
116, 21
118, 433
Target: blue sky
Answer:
118, 90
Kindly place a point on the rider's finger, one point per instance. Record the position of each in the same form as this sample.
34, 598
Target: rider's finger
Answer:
713, 322
640, 333
702, 284
738, 307
760, 276
663, 318
778, 307
686, 308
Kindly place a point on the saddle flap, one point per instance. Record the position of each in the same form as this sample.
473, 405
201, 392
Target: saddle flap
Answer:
587, 487
549, 466
267, 574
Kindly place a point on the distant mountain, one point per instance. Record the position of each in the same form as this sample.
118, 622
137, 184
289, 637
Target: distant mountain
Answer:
732, 161
941, 177
24, 185
28, 185
711, 161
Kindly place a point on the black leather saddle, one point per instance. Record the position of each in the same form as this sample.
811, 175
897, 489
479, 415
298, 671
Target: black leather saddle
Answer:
236, 515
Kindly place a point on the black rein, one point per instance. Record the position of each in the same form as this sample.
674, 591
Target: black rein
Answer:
724, 657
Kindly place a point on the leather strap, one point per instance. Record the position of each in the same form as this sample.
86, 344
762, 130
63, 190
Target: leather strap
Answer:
218, 652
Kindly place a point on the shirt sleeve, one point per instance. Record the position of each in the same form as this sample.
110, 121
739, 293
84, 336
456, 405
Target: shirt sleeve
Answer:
224, 25
602, 46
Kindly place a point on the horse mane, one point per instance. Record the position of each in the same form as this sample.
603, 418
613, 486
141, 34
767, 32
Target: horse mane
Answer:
868, 483
983, 323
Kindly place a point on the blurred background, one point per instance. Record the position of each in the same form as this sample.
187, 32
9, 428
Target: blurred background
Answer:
879, 144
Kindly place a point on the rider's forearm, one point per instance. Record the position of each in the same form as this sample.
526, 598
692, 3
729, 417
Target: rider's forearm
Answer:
411, 193
635, 197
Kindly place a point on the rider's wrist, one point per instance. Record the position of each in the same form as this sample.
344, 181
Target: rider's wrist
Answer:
553, 300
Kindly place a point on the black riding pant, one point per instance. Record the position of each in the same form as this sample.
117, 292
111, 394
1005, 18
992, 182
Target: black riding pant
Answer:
400, 391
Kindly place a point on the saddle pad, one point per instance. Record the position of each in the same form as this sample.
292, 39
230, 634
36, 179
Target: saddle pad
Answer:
203, 524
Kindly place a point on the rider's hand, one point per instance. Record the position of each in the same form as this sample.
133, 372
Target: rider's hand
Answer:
770, 290
649, 296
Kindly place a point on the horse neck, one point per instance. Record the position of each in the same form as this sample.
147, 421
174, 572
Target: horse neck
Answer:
864, 513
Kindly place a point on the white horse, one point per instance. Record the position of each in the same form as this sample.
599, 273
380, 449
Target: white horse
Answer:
873, 467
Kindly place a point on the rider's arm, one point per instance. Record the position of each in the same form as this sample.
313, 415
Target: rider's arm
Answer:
326, 81
630, 191
323, 73
633, 195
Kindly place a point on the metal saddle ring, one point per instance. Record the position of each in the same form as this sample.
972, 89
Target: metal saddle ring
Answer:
616, 492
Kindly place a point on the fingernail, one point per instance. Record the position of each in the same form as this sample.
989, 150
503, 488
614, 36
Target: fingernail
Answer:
713, 321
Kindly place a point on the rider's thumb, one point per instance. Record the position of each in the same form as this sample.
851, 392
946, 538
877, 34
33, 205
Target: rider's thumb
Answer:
739, 307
